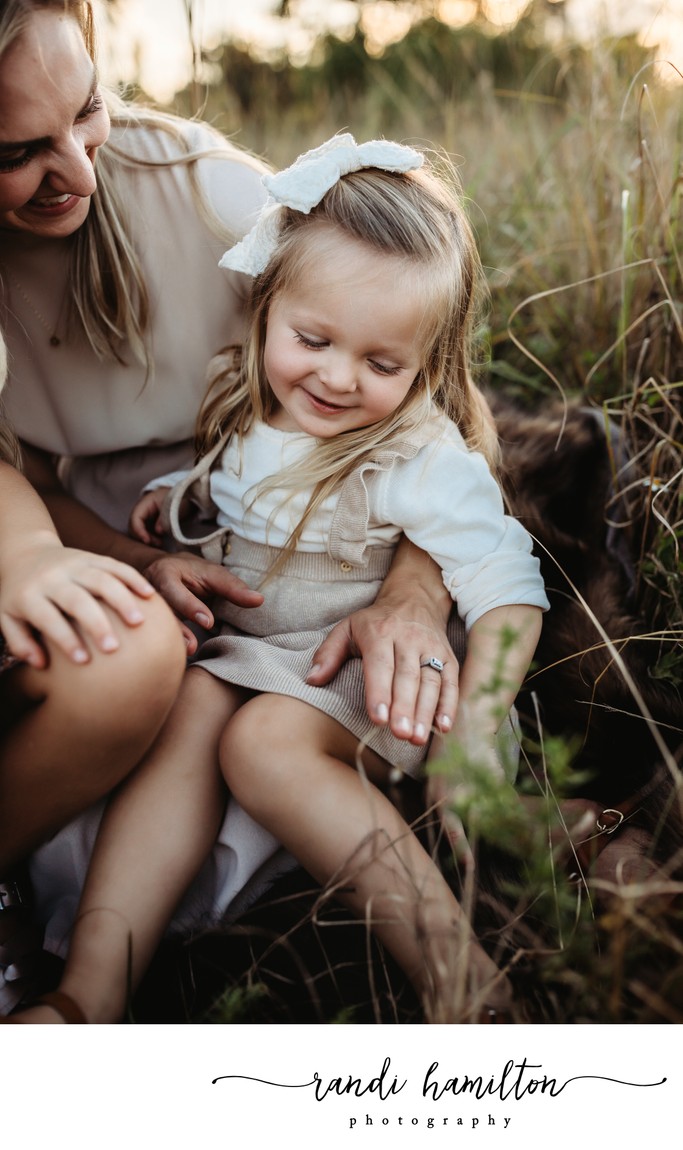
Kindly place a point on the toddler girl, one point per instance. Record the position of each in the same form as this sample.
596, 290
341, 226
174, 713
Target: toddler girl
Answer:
349, 418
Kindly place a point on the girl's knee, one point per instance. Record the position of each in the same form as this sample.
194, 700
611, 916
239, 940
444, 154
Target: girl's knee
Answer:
249, 755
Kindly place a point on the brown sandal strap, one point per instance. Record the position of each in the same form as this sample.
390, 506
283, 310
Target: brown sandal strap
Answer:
64, 1005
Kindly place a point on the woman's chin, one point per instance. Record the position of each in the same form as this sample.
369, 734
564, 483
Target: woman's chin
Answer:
56, 221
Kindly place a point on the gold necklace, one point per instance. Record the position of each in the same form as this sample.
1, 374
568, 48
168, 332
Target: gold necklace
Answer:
53, 339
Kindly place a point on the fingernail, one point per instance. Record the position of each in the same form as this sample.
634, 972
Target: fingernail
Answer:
420, 731
109, 643
135, 616
202, 619
404, 725
314, 669
382, 712
79, 655
444, 723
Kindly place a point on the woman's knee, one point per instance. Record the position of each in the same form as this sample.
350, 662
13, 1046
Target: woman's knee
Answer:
135, 684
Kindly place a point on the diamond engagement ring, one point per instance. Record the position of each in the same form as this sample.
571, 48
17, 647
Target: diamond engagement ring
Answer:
434, 663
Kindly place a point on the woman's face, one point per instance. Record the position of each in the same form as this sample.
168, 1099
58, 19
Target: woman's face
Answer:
52, 121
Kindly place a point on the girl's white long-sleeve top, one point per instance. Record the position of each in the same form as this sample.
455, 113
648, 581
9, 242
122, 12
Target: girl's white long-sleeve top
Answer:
444, 499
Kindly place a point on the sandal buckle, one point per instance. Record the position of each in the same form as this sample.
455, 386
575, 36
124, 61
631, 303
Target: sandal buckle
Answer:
10, 895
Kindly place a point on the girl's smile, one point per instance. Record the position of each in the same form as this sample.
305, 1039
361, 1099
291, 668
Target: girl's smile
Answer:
343, 345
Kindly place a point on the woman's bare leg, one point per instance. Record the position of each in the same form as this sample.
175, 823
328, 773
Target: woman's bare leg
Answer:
153, 839
69, 733
290, 767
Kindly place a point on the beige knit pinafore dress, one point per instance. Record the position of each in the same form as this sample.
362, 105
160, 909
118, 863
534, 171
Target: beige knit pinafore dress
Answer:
270, 648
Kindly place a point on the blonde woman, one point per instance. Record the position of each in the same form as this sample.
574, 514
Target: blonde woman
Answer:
74, 657
349, 419
112, 221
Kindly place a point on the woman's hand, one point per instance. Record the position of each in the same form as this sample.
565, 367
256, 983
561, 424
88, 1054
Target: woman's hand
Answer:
187, 581
403, 629
53, 592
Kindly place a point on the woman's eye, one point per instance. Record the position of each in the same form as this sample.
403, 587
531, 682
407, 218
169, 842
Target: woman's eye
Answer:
13, 160
93, 105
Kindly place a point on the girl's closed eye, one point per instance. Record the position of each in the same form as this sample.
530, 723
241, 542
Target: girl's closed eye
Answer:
384, 369
313, 344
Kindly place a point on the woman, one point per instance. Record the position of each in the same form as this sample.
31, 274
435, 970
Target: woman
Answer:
73, 658
112, 304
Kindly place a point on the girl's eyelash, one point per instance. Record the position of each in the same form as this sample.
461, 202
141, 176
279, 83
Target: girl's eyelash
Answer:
13, 163
316, 346
309, 342
383, 369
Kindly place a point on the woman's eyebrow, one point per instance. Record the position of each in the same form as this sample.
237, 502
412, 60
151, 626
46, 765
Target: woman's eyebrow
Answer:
43, 141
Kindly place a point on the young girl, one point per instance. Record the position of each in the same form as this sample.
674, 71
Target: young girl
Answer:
73, 660
348, 419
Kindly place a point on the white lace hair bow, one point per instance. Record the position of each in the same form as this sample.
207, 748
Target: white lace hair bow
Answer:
303, 185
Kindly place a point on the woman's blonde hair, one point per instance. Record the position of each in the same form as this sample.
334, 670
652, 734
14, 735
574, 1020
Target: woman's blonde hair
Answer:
109, 296
9, 447
419, 218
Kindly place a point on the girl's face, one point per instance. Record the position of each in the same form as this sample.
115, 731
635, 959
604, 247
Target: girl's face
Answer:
52, 121
343, 346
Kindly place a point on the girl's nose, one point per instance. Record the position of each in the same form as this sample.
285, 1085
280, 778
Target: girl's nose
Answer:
338, 373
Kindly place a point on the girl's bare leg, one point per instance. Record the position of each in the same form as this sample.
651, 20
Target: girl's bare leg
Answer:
153, 839
291, 767
69, 733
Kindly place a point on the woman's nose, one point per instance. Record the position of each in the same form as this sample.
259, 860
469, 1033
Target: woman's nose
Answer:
73, 171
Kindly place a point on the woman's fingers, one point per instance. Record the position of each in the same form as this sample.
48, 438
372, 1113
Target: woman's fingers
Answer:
398, 692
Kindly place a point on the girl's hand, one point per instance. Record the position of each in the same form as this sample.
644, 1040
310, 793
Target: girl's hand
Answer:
186, 581
56, 593
145, 518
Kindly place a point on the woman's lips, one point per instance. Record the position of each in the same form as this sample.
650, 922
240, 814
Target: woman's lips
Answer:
53, 205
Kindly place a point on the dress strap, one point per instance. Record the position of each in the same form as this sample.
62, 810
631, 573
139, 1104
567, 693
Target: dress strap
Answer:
349, 528
195, 486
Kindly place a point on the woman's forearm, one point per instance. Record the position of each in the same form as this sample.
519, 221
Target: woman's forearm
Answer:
414, 588
76, 524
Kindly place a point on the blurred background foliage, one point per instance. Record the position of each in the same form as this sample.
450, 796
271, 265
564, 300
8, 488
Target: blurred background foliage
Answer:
570, 156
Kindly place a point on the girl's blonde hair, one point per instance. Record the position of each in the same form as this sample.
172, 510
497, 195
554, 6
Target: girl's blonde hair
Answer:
109, 297
419, 218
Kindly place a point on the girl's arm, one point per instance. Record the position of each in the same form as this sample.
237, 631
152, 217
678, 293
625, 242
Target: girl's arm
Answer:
185, 581
51, 591
500, 647
405, 626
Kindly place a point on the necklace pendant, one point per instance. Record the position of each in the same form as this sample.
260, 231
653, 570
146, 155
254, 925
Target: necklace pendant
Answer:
55, 341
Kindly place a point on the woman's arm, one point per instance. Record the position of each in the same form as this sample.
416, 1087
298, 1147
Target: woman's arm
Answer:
405, 626
186, 581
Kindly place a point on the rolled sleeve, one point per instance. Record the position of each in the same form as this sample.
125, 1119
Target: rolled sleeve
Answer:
448, 503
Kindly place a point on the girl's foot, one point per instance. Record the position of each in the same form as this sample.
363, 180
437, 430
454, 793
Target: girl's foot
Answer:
55, 1007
